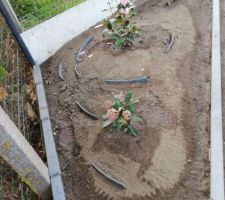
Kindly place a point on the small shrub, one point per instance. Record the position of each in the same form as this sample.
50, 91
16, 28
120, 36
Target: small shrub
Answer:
121, 29
122, 113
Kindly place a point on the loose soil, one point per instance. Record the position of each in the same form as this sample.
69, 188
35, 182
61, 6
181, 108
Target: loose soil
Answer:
169, 158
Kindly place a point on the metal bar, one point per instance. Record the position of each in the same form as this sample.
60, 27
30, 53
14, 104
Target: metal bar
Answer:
16, 32
52, 157
217, 165
11, 12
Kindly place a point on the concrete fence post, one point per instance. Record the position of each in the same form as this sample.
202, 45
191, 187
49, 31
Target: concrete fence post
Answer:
18, 153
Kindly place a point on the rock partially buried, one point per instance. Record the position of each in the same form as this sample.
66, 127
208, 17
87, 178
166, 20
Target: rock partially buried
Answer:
82, 48
107, 175
171, 43
143, 79
88, 113
77, 73
61, 71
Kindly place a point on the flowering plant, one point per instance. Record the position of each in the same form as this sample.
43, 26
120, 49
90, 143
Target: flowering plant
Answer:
121, 113
120, 29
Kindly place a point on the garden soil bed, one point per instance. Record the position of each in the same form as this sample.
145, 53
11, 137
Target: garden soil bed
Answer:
169, 158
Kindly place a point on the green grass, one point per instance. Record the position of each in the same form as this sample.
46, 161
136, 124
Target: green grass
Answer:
33, 12
3, 73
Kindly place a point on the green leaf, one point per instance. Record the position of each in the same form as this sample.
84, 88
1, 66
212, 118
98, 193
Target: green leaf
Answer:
141, 32
136, 118
126, 23
134, 28
114, 37
3, 73
128, 96
133, 131
120, 122
106, 123
119, 20
120, 6
131, 107
109, 25
117, 105
121, 42
114, 126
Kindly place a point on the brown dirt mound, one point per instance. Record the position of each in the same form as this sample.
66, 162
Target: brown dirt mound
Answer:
168, 159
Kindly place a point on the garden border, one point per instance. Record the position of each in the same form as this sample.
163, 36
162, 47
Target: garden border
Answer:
216, 151
216, 156
52, 156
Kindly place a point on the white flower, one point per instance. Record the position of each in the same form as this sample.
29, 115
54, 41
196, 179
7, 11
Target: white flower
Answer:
124, 2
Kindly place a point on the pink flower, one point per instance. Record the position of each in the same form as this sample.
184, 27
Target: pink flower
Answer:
124, 2
122, 96
124, 11
127, 115
112, 114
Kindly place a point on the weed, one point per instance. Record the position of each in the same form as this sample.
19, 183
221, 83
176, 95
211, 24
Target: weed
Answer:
3, 73
122, 113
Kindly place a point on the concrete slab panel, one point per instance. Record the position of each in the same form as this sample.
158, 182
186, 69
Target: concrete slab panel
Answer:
48, 37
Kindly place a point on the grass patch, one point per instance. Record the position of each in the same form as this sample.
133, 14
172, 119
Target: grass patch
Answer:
33, 12
3, 73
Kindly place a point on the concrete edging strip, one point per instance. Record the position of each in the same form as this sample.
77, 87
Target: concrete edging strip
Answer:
52, 157
216, 156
